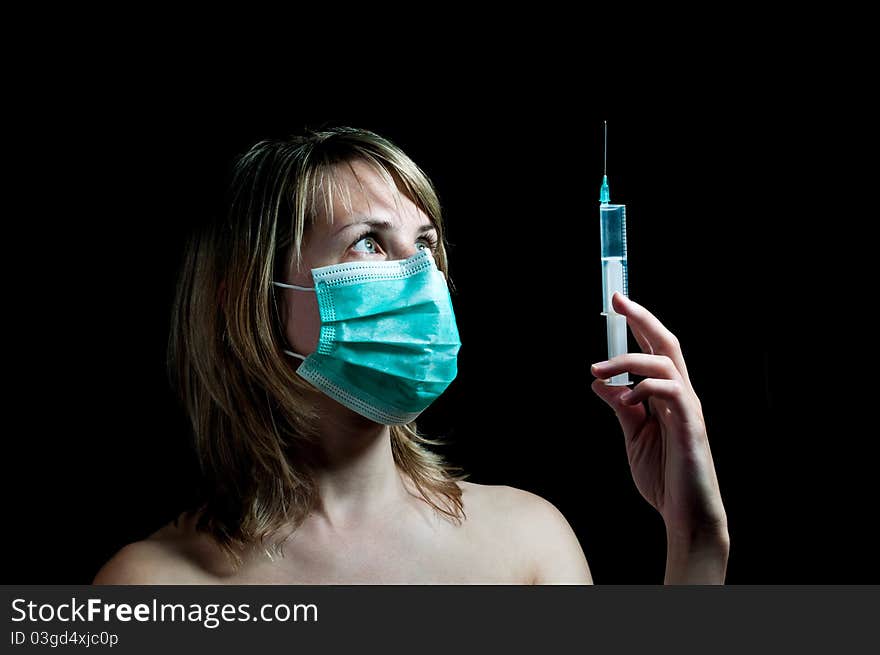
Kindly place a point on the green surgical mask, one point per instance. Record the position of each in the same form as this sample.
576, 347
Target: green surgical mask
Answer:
389, 343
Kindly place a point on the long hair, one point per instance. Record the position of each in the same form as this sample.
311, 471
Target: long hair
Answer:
252, 422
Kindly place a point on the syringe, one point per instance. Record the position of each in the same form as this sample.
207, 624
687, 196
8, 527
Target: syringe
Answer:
612, 227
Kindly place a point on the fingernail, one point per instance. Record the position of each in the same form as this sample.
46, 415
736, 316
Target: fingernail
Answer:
598, 366
625, 397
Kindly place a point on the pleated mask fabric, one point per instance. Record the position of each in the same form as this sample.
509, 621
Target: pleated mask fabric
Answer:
389, 342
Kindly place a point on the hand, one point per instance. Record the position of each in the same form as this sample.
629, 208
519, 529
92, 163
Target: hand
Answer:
666, 443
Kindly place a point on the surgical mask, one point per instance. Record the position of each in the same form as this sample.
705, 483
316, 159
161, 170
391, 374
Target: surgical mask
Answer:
389, 342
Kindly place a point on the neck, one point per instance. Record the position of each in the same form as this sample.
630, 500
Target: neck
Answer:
354, 468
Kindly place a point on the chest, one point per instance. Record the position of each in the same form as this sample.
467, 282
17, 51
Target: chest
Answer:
387, 559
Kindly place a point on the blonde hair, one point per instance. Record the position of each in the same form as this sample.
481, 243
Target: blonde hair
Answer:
253, 425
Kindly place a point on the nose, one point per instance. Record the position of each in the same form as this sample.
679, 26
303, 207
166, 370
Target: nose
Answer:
403, 250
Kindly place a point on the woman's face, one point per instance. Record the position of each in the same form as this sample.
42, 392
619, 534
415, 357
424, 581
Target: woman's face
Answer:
380, 224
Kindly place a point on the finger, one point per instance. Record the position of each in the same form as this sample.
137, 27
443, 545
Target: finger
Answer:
659, 338
671, 391
630, 417
644, 344
649, 366
645, 322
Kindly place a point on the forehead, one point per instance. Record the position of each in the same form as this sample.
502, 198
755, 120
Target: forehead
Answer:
352, 189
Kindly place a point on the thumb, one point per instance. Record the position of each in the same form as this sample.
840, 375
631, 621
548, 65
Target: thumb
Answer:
630, 416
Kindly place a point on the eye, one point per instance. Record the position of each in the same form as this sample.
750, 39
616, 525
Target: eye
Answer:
427, 242
366, 244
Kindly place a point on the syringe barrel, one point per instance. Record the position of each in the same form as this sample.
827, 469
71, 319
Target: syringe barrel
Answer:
612, 225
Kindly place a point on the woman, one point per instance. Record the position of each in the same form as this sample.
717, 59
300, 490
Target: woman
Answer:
312, 325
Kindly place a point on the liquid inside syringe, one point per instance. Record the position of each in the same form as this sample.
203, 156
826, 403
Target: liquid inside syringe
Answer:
612, 222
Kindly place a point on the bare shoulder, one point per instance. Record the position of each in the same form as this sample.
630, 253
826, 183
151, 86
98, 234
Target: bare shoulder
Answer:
542, 534
165, 557
517, 507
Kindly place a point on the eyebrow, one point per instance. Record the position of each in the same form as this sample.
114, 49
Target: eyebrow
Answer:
383, 225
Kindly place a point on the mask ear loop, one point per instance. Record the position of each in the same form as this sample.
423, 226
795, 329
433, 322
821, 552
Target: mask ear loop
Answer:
295, 288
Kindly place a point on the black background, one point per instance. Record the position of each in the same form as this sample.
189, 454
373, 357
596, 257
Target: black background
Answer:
740, 216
